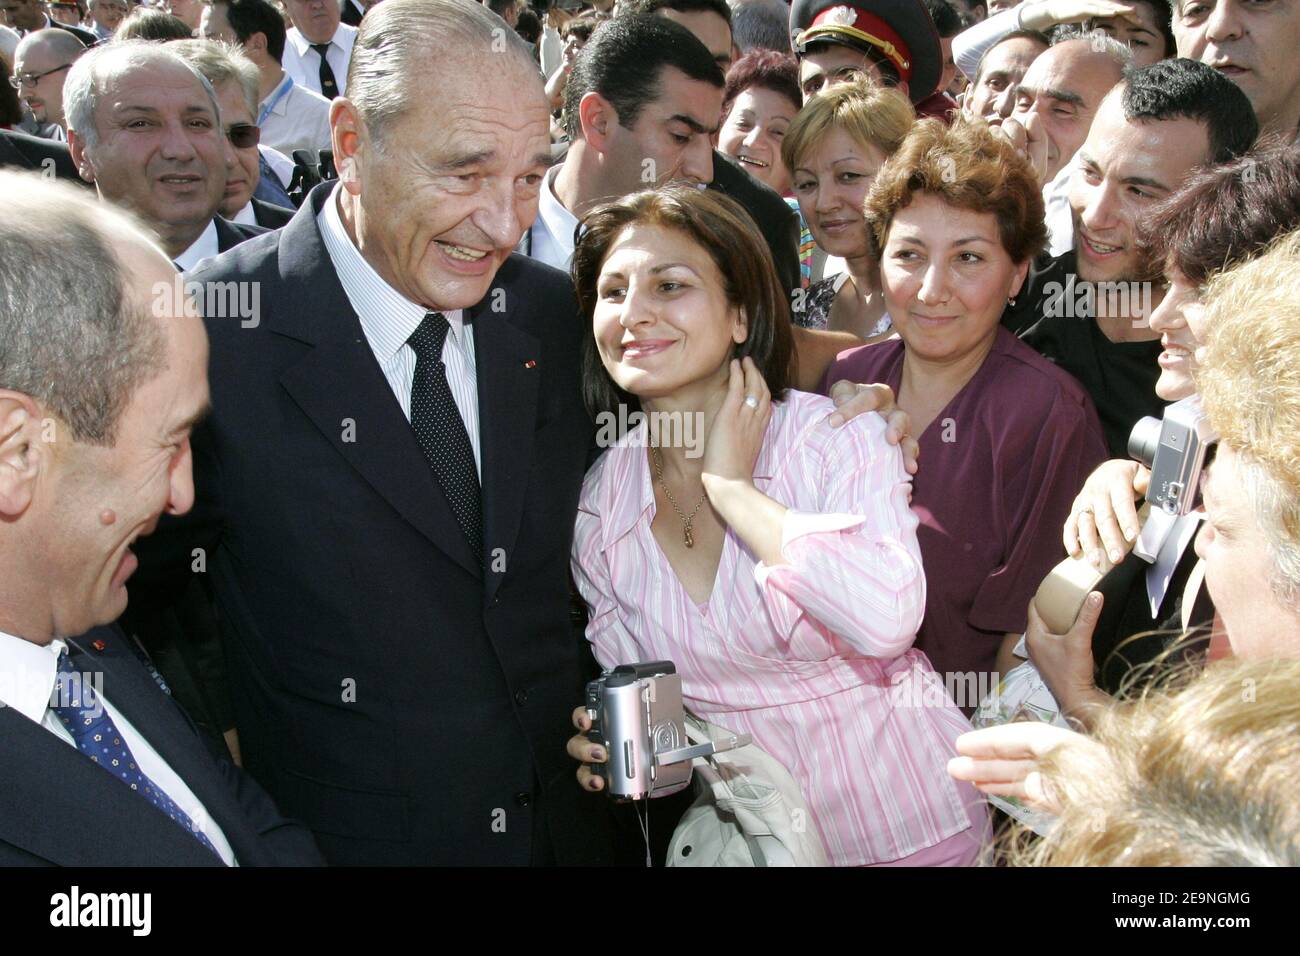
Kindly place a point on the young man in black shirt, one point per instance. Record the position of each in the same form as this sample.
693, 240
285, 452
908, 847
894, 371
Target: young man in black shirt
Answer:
1087, 309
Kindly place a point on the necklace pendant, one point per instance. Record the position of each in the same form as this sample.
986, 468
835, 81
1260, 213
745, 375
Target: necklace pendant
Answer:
690, 538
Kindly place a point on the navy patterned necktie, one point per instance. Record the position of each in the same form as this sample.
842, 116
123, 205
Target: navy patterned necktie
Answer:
329, 87
441, 431
79, 710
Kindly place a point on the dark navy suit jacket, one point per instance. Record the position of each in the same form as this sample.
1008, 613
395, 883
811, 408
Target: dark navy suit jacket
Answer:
59, 808
406, 698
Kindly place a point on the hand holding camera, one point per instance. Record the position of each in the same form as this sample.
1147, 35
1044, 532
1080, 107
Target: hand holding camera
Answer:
633, 741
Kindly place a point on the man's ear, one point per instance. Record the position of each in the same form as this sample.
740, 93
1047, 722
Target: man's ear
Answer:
25, 438
597, 118
256, 41
348, 136
77, 149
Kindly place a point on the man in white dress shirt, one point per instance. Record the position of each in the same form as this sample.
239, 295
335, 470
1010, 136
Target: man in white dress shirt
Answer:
319, 47
101, 382
144, 127
290, 115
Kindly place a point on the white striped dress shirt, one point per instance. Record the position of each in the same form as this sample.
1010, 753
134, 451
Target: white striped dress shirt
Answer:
388, 318
814, 658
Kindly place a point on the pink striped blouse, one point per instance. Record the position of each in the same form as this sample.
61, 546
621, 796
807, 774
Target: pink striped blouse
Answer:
814, 658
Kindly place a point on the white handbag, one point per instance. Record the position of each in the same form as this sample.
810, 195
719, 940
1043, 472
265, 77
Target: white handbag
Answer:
749, 812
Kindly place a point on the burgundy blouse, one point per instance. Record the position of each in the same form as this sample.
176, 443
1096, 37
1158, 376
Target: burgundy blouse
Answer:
999, 469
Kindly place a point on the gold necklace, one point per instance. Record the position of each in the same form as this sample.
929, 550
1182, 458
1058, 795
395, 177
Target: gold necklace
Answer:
687, 535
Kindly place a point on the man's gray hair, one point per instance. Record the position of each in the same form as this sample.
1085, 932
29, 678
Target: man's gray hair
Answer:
82, 88
221, 63
72, 336
400, 43
1100, 41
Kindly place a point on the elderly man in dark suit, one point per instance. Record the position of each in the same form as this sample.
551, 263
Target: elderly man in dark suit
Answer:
144, 127
388, 483
101, 381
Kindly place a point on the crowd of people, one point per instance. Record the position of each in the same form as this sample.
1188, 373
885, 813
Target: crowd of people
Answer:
310, 312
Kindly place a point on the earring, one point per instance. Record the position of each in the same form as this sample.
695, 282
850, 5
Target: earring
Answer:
1011, 301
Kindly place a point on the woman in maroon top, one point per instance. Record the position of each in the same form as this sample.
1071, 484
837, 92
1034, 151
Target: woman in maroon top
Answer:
1006, 437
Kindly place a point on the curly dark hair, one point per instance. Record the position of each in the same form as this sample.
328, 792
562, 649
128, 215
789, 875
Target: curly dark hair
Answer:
778, 72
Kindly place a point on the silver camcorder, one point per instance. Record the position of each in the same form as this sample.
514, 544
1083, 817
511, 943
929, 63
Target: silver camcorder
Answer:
637, 716
1174, 449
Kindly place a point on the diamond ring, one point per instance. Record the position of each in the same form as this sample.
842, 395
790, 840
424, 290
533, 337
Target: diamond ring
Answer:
751, 401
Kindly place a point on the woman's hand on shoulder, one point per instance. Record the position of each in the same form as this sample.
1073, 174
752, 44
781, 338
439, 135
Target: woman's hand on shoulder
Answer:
852, 400
1103, 520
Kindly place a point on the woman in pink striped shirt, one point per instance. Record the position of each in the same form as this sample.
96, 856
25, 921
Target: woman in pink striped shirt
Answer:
770, 555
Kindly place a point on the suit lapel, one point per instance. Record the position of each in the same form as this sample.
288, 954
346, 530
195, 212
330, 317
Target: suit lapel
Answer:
83, 815
338, 381
507, 400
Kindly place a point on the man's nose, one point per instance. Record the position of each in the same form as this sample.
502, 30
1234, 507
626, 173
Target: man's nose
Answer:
178, 142
501, 218
180, 498
1004, 101
1224, 22
697, 160
1099, 212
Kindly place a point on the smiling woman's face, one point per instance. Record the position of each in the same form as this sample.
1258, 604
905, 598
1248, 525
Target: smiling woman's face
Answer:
662, 321
753, 132
946, 278
831, 183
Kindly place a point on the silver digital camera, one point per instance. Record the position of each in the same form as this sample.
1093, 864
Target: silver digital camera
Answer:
1174, 449
637, 716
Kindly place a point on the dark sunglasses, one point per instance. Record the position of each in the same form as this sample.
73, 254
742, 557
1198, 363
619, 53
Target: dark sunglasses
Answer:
244, 135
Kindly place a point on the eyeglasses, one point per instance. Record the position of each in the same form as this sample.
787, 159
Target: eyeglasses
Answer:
31, 79
243, 135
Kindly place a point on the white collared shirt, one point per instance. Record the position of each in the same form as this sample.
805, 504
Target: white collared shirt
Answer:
298, 119
204, 247
388, 319
303, 63
27, 684
247, 215
552, 232
1060, 221
1177, 534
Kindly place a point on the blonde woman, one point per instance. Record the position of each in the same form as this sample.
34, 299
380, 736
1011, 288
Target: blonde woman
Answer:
833, 149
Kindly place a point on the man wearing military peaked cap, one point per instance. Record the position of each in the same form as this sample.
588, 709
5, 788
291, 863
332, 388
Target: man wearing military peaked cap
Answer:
891, 40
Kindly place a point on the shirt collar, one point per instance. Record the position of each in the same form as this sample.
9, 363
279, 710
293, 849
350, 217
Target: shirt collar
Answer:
203, 247
247, 215
387, 317
631, 491
279, 103
558, 221
27, 674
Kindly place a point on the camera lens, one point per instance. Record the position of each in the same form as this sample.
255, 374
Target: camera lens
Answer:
1144, 440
